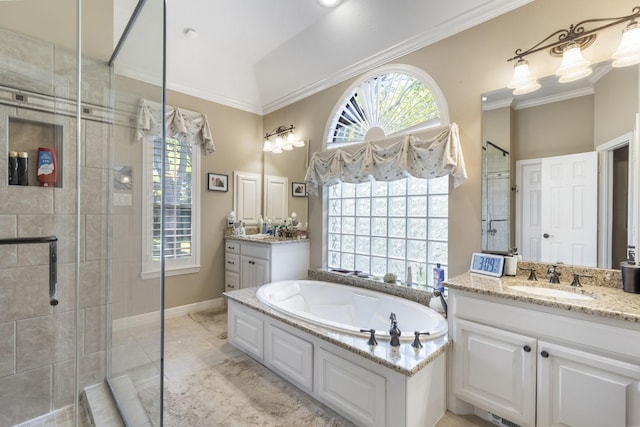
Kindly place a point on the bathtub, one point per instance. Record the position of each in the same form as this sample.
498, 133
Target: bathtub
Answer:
348, 309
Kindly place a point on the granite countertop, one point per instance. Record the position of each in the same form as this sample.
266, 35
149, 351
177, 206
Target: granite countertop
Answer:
607, 301
266, 240
405, 360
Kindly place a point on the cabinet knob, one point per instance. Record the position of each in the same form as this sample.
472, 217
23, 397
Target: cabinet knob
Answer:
230, 262
230, 286
526, 348
544, 354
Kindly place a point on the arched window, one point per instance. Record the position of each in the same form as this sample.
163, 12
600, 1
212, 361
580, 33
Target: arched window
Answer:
384, 227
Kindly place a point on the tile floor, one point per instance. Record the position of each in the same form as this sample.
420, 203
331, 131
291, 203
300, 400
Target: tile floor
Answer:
189, 347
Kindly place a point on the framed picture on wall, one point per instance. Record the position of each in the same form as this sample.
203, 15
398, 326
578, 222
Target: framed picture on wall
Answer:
299, 189
218, 182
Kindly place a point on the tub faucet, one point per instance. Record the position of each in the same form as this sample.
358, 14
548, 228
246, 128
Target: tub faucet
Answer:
440, 294
394, 332
553, 274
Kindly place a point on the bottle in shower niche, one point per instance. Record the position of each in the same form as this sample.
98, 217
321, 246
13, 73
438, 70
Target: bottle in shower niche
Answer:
23, 168
13, 168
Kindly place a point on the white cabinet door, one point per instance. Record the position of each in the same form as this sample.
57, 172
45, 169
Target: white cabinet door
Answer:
254, 272
495, 370
581, 389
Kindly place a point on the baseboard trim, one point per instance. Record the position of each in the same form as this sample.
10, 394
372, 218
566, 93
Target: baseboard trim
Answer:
153, 317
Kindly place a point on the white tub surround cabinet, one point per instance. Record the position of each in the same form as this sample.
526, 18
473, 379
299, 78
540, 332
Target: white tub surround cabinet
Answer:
540, 363
250, 263
371, 386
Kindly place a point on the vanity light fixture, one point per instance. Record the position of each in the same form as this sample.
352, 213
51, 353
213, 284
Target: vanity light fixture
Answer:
569, 45
285, 140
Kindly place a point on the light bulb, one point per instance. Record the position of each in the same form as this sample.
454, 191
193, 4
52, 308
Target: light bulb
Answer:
523, 81
573, 66
628, 53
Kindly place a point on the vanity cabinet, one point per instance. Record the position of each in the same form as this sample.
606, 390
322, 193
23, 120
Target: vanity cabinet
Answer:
541, 368
250, 264
496, 369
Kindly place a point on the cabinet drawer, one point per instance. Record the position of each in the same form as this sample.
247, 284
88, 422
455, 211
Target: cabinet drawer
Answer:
232, 281
256, 251
232, 262
232, 247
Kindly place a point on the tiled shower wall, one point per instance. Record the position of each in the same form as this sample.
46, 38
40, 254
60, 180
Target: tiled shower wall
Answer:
37, 349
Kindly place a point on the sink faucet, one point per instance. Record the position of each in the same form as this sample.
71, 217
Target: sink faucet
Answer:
553, 274
394, 332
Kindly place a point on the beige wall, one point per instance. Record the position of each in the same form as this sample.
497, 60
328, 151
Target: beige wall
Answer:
555, 129
464, 66
237, 136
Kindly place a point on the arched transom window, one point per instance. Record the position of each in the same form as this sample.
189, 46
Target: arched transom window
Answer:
385, 227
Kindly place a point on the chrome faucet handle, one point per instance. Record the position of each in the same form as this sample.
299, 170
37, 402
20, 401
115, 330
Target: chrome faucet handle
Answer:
416, 342
372, 338
532, 273
576, 279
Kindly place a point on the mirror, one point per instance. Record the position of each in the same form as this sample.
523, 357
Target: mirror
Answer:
596, 115
292, 166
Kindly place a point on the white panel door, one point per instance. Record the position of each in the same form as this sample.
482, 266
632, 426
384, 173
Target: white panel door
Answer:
528, 215
495, 370
276, 197
570, 209
247, 195
581, 389
557, 208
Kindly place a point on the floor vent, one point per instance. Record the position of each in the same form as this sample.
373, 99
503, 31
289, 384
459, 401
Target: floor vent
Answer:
499, 421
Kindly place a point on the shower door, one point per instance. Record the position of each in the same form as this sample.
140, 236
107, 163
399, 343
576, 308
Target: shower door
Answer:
135, 311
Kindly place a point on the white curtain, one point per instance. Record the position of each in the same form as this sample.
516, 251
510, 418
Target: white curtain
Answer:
184, 125
432, 157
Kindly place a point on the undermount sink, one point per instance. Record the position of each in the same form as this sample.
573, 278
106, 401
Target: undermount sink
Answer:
258, 236
551, 292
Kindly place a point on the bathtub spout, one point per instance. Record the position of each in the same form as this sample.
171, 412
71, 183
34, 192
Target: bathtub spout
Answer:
394, 332
442, 300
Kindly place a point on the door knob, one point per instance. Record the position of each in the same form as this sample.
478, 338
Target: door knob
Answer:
544, 354
526, 348
546, 235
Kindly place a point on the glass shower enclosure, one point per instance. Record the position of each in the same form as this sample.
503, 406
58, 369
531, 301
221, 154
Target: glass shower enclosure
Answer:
64, 89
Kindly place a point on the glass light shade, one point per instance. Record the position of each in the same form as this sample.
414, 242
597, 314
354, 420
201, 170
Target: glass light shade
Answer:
276, 150
299, 143
523, 81
278, 143
291, 138
287, 147
267, 146
628, 53
573, 66
328, 3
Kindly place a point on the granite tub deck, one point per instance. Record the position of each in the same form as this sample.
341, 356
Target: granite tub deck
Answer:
405, 359
609, 300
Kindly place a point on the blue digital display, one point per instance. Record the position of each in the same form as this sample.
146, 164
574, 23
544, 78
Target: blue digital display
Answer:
487, 264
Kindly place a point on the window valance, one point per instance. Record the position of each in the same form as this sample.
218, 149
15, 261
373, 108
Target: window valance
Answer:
429, 158
184, 125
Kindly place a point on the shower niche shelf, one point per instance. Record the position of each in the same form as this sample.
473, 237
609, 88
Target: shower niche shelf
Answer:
29, 135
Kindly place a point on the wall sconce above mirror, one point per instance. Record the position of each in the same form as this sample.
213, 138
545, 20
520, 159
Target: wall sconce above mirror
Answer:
569, 45
284, 140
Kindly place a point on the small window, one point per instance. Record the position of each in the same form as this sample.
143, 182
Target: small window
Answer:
181, 213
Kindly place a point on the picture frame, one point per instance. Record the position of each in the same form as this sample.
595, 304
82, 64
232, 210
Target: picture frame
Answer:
218, 182
299, 189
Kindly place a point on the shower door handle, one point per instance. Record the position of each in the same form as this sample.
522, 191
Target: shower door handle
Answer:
53, 260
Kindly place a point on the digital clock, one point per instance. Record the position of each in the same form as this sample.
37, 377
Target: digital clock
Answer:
488, 264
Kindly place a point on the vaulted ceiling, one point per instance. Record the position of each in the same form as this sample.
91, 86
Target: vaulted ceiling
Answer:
261, 55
